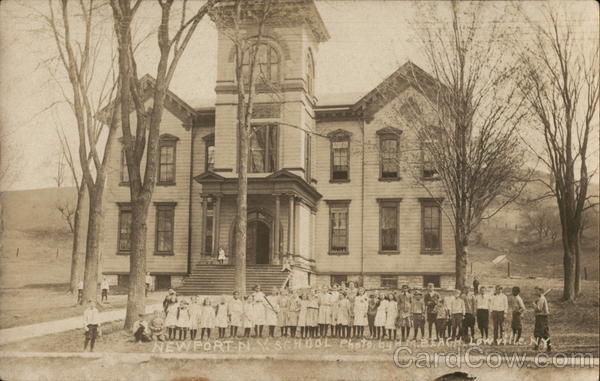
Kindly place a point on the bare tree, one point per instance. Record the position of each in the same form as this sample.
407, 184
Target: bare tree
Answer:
247, 75
73, 215
59, 178
79, 43
560, 84
467, 127
142, 135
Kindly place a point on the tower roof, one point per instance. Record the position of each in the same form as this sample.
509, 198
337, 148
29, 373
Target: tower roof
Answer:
281, 13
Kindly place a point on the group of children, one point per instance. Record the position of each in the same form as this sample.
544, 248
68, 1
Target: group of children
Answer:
344, 312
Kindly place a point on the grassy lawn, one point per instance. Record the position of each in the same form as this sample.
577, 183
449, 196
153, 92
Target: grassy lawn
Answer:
33, 286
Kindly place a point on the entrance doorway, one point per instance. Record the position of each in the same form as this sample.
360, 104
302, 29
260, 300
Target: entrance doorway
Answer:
258, 243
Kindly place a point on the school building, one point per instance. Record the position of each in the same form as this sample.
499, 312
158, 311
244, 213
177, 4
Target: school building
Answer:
334, 182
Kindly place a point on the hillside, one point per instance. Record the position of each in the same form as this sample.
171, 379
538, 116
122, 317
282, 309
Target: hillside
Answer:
35, 209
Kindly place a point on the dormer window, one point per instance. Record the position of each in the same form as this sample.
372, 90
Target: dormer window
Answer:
266, 65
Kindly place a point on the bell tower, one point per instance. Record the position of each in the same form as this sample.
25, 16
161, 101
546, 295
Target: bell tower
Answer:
283, 115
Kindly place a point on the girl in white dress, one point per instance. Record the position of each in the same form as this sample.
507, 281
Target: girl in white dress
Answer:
221, 320
303, 315
361, 307
207, 318
171, 319
259, 313
195, 309
183, 320
380, 318
248, 315
391, 315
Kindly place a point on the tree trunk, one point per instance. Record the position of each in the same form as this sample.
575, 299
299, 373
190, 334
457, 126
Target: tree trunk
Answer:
577, 253
569, 268
75, 254
136, 297
92, 249
461, 258
242, 205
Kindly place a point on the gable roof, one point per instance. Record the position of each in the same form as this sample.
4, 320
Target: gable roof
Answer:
408, 75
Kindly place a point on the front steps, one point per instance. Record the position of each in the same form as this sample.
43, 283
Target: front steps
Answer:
208, 279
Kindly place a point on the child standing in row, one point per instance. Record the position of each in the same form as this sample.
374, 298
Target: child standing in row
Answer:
221, 317
207, 319
380, 318
247, 315
183, 320
391, 314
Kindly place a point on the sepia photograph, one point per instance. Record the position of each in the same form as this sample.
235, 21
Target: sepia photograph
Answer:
299, 190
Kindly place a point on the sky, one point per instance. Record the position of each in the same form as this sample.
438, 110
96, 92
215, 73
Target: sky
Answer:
369, 40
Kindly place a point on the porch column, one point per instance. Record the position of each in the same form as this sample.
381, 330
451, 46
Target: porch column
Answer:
204, 201
276, 237
291, 218
216, 222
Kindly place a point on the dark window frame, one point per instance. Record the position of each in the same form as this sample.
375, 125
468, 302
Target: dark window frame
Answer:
428, 171
167, 140
271, 64
339, 205
389, 134
431, 203
123, 170
209, 233
389, 203
338, 279
435, 279
168, 207
337, 137
267, 150
124, 208
209, 141
392, 279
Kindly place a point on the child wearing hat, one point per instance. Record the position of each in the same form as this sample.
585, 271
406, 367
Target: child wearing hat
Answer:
404, 314
171, 309
499, 307
417, 309
541, 331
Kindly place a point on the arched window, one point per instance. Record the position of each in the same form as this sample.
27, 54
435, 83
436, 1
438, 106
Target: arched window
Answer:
266, 65
310, 73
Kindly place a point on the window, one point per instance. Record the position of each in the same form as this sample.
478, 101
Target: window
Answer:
431, 226
166, 159
209, 153
163, 282
339, 279
124, 235
165, 213
435, 279
389, 281
388, 225
208, 227
338, 233
340, 157
429, 171
389, 157
124, 173
263, 149
307, 157
266, 64
310, 73
123, 280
